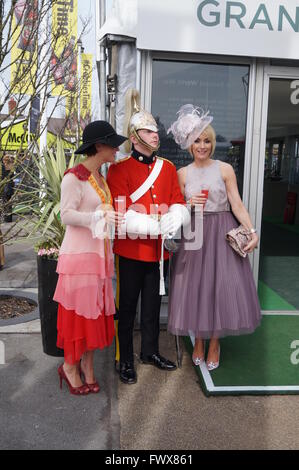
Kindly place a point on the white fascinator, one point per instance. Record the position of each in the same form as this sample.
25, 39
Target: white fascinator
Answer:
192, 121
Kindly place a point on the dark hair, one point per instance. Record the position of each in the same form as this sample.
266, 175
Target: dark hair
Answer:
91, 151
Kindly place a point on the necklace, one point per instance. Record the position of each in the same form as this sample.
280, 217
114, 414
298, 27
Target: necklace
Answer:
104, 194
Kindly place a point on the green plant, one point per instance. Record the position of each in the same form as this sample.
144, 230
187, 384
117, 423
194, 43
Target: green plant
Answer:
39, 197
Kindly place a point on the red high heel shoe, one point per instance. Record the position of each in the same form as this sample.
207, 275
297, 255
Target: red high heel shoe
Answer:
82, 390
94, 387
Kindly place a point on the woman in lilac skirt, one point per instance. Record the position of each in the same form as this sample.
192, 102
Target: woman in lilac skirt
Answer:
212, 290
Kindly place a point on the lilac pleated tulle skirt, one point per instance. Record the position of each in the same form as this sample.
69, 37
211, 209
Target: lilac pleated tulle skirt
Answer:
212, 292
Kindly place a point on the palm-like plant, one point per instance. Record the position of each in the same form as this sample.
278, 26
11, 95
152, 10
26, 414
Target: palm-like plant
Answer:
39, 196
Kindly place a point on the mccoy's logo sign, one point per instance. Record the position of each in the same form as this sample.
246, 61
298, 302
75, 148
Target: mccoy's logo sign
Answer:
235, 14
15, 137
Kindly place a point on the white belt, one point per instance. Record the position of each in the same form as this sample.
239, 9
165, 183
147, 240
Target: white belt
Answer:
148, 182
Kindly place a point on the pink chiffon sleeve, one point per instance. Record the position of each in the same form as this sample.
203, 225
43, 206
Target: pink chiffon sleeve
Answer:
71, 196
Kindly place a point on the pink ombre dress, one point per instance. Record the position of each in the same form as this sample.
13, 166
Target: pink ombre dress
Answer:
85, 267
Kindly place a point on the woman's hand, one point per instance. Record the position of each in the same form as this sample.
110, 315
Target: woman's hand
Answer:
238, 208
112, 217
252, 244
197, 199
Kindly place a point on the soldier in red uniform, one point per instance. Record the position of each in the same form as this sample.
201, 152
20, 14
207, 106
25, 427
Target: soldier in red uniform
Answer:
154, 208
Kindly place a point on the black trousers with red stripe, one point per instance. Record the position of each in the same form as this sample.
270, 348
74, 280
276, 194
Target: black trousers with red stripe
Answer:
137, 277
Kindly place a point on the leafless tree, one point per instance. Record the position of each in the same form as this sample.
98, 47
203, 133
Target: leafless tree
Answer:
28, 22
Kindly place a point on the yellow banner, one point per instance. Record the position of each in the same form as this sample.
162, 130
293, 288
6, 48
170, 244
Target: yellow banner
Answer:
64, 46
71, 114
85, 90
73, 128
24, 47
15, 137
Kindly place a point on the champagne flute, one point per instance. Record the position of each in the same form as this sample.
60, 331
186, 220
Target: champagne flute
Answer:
204, 189
120, 204
120, 207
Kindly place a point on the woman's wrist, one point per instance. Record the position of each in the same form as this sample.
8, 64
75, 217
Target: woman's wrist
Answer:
255, 239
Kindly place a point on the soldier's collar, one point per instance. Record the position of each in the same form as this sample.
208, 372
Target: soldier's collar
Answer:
140, 157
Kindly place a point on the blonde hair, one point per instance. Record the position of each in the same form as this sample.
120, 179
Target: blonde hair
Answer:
210, 131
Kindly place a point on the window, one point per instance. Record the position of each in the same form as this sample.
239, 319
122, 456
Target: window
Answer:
220, 88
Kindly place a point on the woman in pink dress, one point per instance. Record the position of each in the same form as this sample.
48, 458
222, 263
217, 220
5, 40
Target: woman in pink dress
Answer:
85, 265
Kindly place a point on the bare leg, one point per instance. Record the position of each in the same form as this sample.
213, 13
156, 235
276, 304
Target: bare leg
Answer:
72, 373
87, 367
214, 351
198, 351
88, 371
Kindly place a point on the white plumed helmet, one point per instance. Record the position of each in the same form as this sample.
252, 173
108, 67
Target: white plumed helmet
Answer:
136, 119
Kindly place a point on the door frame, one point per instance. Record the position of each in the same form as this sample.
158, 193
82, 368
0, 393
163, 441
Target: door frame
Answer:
258, 161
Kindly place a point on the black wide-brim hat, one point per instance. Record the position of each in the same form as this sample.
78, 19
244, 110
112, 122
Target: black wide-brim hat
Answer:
99, 132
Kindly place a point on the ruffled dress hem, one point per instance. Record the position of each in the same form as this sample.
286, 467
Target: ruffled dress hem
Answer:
86, 294
214, 334
77, 335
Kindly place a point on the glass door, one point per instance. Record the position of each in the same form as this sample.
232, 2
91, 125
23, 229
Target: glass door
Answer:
279, 248
221, 88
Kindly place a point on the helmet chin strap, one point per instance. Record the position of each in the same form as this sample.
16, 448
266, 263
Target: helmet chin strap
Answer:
145, 144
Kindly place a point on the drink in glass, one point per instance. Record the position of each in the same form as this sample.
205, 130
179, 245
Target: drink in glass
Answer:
205, 192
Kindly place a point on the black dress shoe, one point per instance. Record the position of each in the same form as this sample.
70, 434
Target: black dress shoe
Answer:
158, 361
127, 373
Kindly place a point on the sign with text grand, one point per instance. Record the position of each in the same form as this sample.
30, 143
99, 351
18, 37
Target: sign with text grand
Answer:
245, 28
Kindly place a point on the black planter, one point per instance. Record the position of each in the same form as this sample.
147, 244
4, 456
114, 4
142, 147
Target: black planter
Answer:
47, 280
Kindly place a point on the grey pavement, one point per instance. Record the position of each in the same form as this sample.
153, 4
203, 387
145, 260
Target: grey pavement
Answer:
20, 265
36, 414
163, 411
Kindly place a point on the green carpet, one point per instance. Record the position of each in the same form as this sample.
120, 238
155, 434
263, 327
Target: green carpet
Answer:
271, 300
259, 363
279, 262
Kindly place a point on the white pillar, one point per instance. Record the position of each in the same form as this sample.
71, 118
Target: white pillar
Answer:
101, 56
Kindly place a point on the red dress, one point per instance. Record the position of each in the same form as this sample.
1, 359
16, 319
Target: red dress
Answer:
85, 267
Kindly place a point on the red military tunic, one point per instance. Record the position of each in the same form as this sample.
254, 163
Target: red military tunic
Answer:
126, 176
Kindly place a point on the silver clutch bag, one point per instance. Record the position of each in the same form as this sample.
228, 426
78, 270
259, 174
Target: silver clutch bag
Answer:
238, 238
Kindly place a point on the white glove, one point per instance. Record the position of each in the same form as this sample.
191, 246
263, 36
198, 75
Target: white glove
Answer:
177, 216
97, 223
141, 224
